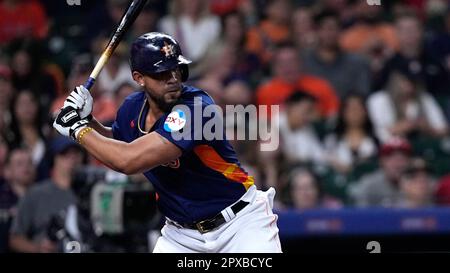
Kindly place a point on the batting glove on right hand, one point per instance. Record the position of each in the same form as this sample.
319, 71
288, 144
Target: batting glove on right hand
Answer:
80, 99
68, 122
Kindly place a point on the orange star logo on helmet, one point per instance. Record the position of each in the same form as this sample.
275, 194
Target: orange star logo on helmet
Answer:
168, 49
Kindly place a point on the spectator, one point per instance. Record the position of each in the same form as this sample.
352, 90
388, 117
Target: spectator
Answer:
287, 78
6, 94
345, 9
442, 194
22, 18
416, 186
413, 51
381, 188
238, 93
216, 77
4, 150
305, 192
304, 35
299, 142
26, 129
46, 200
116, 71
6, 87
439, 49
405, 109
263, 39
224, 7
104, 106
345, 71
236, 63
440, 44
192, 26
28, 72
249, 10
5, 199
19, 176
19, 171
352, 141
369, 33
101, 20
245, 64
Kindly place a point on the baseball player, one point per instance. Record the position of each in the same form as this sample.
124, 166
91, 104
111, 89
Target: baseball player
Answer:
210, 202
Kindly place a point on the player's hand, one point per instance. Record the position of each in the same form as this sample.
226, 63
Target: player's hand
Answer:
80, 99
68, 122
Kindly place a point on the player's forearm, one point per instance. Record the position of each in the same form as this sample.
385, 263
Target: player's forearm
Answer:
103, 130
138, 156
111, 152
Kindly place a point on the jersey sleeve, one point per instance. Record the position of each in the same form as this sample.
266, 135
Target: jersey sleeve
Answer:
192, 124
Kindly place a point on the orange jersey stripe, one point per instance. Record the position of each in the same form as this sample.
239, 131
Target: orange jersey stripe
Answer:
232, 171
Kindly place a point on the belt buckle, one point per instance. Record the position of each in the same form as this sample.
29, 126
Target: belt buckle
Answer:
200, 227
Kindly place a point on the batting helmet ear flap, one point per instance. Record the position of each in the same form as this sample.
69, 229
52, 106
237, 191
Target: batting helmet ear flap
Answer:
184, 69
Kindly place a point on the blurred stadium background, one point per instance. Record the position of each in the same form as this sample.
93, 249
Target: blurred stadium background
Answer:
364, 123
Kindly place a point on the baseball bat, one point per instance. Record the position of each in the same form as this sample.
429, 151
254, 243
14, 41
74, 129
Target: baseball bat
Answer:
127, 20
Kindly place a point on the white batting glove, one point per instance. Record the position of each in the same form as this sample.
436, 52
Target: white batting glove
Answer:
68, 122
80, 98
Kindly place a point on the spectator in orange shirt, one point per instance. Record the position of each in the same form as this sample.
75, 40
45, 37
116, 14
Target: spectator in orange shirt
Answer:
287, 78
369, 33
274, 30
22, 18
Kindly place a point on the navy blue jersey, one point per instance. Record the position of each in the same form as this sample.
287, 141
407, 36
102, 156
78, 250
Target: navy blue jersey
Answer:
207, 177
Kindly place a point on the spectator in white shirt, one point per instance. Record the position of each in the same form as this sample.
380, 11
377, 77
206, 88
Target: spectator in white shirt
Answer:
299, 143
298, 139
404, 108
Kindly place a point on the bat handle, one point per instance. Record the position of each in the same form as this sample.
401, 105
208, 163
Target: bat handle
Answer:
89, 83
98, 68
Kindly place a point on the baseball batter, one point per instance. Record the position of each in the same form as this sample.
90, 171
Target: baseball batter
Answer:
210, 202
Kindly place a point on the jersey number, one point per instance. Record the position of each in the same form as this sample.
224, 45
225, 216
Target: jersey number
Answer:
174, 164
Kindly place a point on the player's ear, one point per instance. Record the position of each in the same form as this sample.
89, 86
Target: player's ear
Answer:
138, 78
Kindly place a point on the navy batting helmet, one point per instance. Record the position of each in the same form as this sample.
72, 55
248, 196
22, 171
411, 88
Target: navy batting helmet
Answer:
156, 52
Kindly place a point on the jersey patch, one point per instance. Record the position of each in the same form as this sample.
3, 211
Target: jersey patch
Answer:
175, 121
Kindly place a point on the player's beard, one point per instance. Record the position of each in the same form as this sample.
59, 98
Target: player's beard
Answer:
162, 104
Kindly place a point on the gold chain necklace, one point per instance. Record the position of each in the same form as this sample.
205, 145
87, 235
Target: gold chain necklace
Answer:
139, 118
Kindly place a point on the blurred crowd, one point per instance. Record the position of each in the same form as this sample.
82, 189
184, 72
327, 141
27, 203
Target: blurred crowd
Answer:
363, 93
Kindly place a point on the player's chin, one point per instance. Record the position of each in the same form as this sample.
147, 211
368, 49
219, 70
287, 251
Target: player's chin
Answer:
172, 96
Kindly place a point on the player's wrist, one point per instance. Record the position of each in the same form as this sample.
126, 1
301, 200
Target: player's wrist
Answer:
80, 133
77, 128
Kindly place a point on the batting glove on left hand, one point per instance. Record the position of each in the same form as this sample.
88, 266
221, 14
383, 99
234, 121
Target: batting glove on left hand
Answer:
80, 99
68, 122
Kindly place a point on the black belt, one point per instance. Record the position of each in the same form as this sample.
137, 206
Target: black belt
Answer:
212, 223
